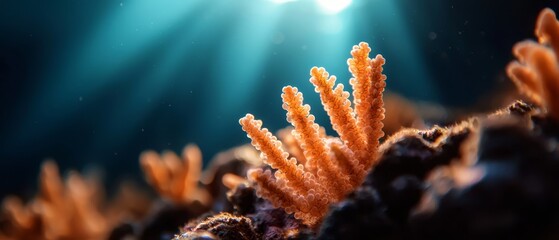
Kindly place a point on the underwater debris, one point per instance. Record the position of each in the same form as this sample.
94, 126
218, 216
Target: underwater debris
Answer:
332, 167
536, 73
176, 179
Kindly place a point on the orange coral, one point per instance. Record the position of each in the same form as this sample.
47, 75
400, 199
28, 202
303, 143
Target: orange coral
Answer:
231, 180
272, 153
339, 110
291, 145
60, 211
536, 73
315, 148
329, 167
174, 178
368, 84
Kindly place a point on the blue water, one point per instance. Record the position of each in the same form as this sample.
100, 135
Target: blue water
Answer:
93, 83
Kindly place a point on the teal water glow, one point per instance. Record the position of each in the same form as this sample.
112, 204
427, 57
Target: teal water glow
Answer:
145, 74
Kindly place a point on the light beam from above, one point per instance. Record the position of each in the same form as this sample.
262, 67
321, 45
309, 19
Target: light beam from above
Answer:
333, 6
281, 1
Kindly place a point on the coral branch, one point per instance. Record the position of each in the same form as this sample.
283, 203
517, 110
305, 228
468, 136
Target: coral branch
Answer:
62, 210
527, 81
339, 110
536, 74
333, 167
375, 110
175, 178
291, 145
315, 149
275, 156
347, 163
547, 29
231, 180
193, 168
368, 83
308, 208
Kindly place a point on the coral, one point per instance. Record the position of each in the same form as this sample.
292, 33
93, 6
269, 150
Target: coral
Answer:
331, 167
231, 180
174, 178
61, 210
536, 73
491, 176
291, 145
167, 216
177, 180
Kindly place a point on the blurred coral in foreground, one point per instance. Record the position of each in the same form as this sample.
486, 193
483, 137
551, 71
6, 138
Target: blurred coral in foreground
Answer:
175, 178
536, 73
184, 191
62, 210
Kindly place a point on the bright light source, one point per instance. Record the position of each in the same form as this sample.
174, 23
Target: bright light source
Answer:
282, 1
333, 6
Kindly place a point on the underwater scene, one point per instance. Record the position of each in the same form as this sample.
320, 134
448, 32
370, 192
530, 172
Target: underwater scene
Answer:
279, 119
